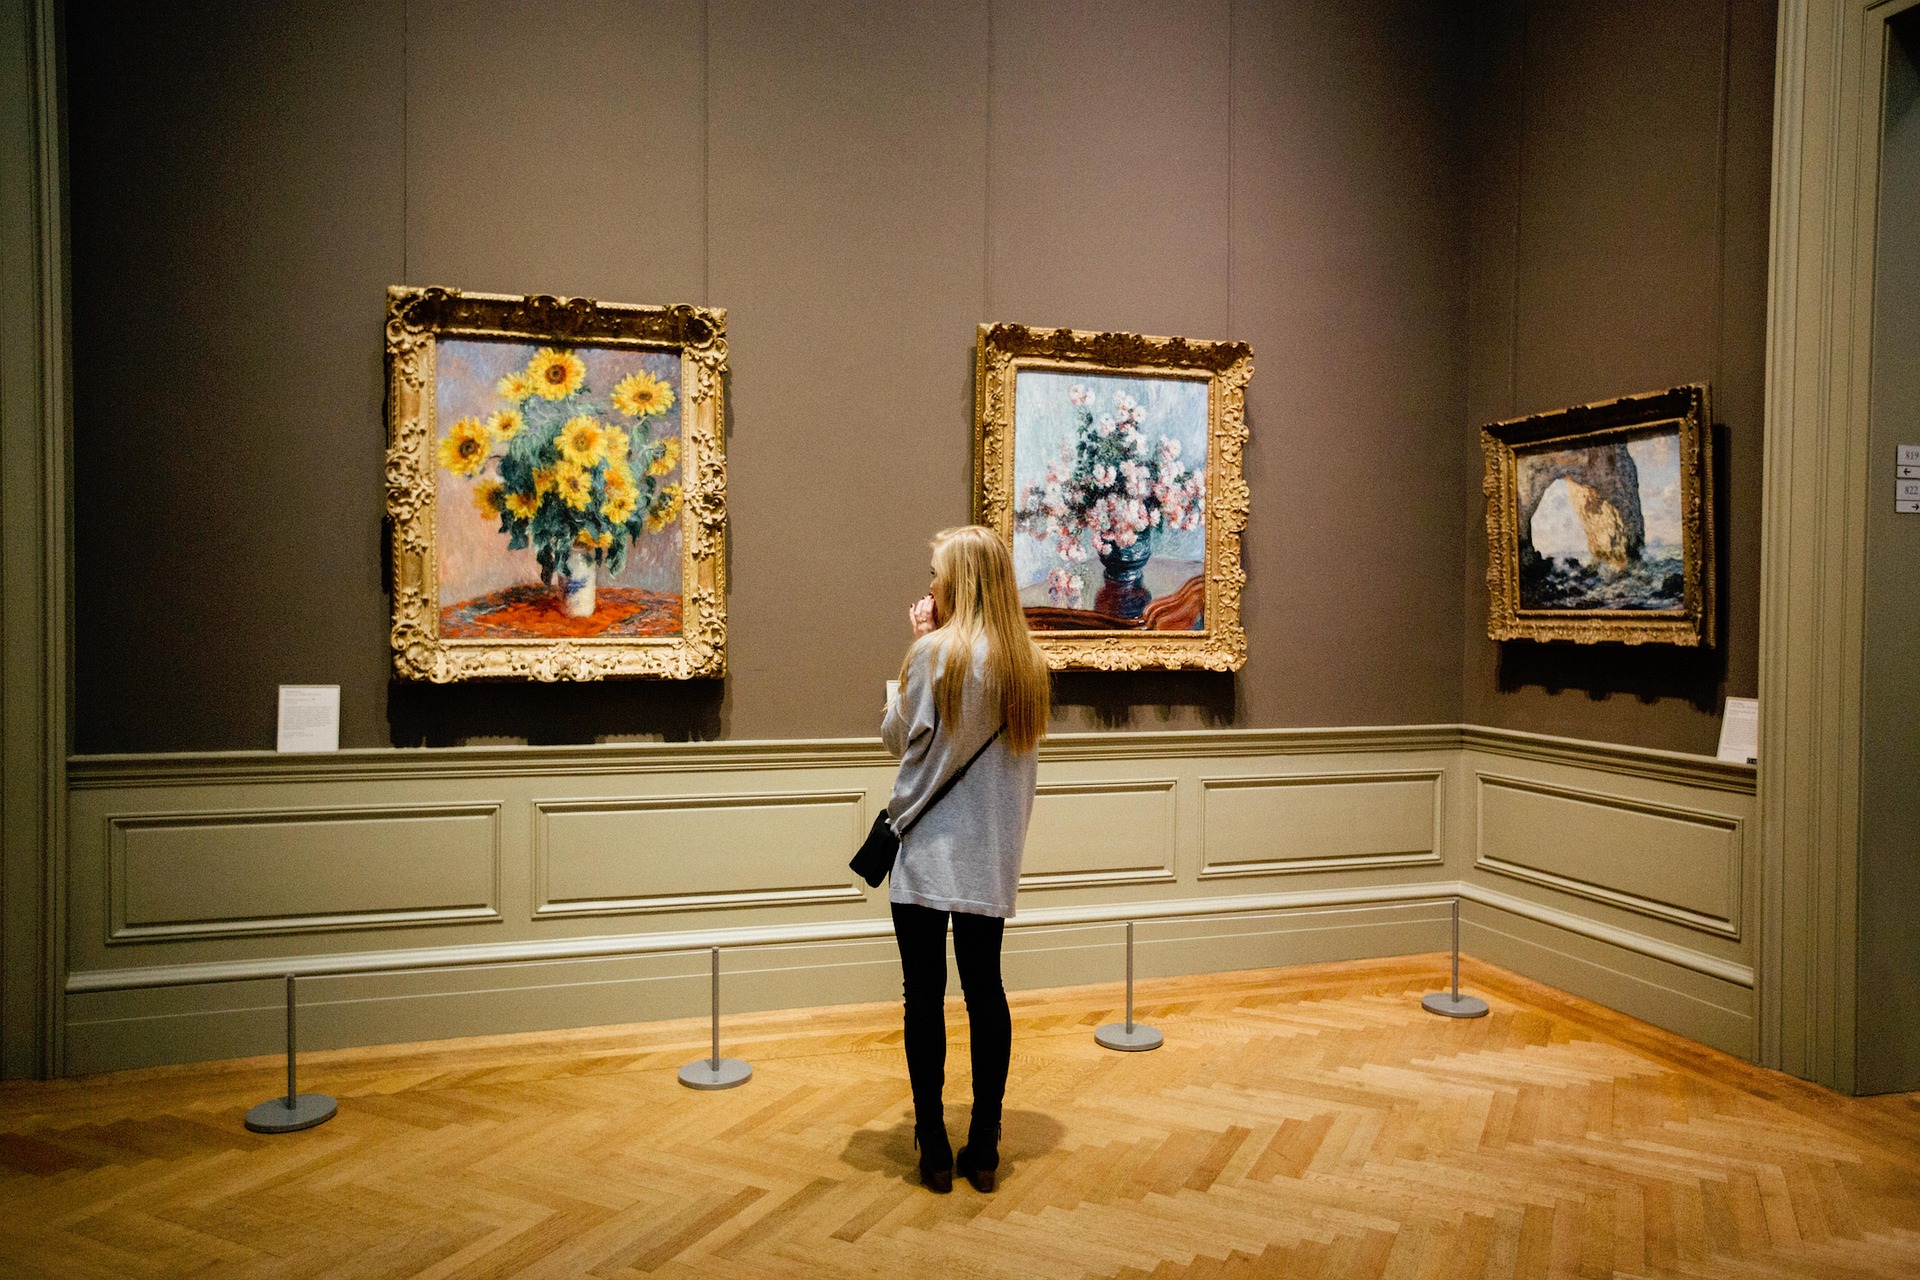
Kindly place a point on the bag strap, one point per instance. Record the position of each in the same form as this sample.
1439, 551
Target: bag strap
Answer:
947, 786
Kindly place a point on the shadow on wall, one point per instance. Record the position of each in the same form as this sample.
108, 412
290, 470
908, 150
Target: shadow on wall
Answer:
1648, 672
1115, 697
559, 714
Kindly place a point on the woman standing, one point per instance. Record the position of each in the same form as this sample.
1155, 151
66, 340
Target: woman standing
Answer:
972, 703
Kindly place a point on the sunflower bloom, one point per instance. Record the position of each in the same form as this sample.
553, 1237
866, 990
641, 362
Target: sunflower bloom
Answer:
486, 498
618, 508
583, 441
639, 394
543, 481
620, 478
514, 387
523, 506
669, 455
464, 451
588, 538
618, 445
665, 509
506, 424
556, 374
574, 484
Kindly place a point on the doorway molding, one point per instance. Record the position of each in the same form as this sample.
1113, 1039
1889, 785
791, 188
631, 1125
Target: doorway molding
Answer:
1828, 85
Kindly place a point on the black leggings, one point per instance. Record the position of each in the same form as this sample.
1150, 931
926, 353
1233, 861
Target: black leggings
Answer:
922, 935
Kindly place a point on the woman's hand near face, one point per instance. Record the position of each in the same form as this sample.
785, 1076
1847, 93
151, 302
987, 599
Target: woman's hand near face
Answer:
921, 616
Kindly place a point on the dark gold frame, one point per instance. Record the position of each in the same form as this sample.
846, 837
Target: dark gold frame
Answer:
1002, 350
416, 320
1685, 408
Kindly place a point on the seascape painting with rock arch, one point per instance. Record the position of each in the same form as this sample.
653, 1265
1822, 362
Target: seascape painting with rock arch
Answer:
1604, 530
1600, 522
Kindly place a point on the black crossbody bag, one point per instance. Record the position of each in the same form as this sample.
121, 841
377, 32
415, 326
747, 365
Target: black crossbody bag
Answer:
874, 858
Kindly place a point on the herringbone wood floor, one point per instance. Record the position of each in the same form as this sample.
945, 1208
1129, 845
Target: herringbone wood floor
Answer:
1308, 1122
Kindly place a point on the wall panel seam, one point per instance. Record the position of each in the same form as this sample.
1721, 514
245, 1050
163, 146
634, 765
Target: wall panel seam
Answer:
56, 691
986, 181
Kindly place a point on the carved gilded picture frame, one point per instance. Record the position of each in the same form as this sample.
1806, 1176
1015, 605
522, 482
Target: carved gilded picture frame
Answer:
1111, 463
1600, 522
556, 487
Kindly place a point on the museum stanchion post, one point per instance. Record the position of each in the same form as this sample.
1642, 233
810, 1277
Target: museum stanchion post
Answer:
714, 1071
1450, 1003
1128, 1036
297, 1110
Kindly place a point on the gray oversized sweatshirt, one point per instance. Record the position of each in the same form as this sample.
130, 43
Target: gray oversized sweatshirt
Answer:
964, 854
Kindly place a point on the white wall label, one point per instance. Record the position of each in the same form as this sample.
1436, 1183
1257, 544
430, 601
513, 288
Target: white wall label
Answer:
309, 717
1906, 482
1740, 731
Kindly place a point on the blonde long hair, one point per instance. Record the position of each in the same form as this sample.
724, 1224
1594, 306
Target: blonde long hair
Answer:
975, 596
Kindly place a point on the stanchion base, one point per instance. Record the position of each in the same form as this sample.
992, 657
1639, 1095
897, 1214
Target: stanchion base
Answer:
1448, 1005
308, 1110
701, 1074
1116, 1036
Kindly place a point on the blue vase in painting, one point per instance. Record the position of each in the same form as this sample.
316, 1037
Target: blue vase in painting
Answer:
1123, 594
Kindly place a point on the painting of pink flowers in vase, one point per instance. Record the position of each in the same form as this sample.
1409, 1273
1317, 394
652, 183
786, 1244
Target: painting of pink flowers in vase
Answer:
1110, 463
557, 490
1110, 499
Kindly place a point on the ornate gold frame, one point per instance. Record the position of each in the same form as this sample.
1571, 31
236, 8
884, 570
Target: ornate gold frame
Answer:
1004, 349
1693, 624
416, 320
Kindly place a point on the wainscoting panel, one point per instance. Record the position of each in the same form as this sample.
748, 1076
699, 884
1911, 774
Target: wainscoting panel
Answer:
1085, 834
431, 893
686, 852
1678, 864
1287, 824
239, 871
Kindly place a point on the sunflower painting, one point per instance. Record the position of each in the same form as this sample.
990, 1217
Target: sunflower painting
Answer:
556, 516
549, 521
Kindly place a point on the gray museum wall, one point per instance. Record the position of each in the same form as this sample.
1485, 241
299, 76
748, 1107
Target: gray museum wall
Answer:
1618, 205
859, 185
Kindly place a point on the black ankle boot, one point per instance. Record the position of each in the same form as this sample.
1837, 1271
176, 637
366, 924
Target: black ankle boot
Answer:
979, 1161
936, 1157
